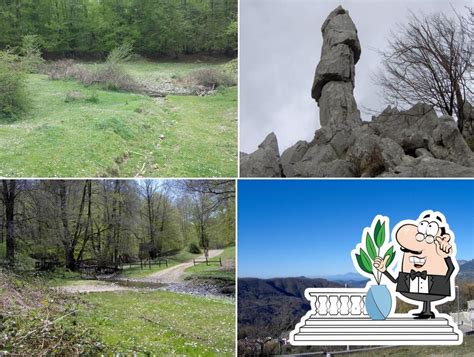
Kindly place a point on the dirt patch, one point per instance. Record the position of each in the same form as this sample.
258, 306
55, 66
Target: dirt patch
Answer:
92, 287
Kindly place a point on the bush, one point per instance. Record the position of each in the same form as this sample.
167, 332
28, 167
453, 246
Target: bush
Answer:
194, 248
13, 97
110, 76
231, 68
31, 54
120, 54
210, 78
70, 70
114, 77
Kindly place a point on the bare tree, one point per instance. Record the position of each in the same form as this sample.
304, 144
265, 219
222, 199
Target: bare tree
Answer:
428, 60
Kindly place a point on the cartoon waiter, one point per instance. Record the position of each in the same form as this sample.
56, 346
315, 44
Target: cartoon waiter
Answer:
427, 265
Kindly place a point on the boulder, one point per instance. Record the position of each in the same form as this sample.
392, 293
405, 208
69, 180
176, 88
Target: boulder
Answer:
291, 156
265, 162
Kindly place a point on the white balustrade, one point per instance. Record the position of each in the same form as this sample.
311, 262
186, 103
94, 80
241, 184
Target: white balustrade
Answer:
327, 302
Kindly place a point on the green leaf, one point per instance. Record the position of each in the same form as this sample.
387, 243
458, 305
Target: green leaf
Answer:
361, 264
366, 262
369, 243
377, 229
380, 237
391, 253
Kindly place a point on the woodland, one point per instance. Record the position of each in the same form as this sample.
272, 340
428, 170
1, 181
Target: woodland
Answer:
129, 262
95, 27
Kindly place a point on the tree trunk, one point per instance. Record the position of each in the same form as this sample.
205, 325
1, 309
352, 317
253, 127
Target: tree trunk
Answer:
68, 249
459, 107
9, 188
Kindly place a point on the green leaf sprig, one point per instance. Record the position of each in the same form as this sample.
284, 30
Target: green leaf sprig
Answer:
365, 259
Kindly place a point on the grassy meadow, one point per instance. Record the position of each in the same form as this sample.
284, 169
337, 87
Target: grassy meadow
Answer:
103, 133
161, 322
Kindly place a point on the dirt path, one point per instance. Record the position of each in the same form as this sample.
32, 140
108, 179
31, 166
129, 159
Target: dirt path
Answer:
173, 275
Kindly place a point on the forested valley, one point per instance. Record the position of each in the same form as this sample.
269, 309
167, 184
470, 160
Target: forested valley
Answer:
98, 255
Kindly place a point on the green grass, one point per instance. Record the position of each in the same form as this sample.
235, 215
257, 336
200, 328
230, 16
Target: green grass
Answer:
465, 349
120, 134
136, 272
161, 323
214, 271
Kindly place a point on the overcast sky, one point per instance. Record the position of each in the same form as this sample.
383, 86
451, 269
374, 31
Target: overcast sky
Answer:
280, 46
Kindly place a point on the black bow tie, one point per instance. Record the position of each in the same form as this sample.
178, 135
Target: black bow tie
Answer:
417, 274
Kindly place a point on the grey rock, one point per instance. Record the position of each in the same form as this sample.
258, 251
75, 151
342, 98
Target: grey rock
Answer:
291, 156
366, 155
422, 152
341, 140
265, 162
392, 153
448, 144
429, 167
338, 28
468, 126
337, 64
339, 54
338, 106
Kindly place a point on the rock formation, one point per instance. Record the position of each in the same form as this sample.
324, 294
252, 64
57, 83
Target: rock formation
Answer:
411, 143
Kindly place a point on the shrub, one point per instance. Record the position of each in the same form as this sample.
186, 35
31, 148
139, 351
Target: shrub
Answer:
231, 68
194, 248
93, 97
73, 96
120, 54
210, 78
114, 77
31, 53
13, 97
69, 70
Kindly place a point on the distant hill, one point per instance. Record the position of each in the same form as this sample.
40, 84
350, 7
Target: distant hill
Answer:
466, 270
270, 307
344, 277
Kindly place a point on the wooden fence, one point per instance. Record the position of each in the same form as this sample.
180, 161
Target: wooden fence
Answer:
207, 261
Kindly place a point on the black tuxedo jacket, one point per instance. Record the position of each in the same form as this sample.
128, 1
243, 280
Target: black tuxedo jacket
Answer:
437, 284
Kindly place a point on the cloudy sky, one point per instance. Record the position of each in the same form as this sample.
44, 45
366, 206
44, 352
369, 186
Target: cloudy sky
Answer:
280, 46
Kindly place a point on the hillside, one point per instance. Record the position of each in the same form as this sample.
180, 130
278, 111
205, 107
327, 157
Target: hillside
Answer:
269, 307
466, 270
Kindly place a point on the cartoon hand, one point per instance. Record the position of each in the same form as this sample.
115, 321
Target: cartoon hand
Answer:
380, 264
443, 247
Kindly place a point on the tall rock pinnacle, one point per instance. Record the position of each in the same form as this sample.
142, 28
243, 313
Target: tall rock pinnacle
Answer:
407, 143
333, 83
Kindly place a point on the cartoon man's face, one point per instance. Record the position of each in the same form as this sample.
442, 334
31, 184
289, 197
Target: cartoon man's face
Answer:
419, 243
